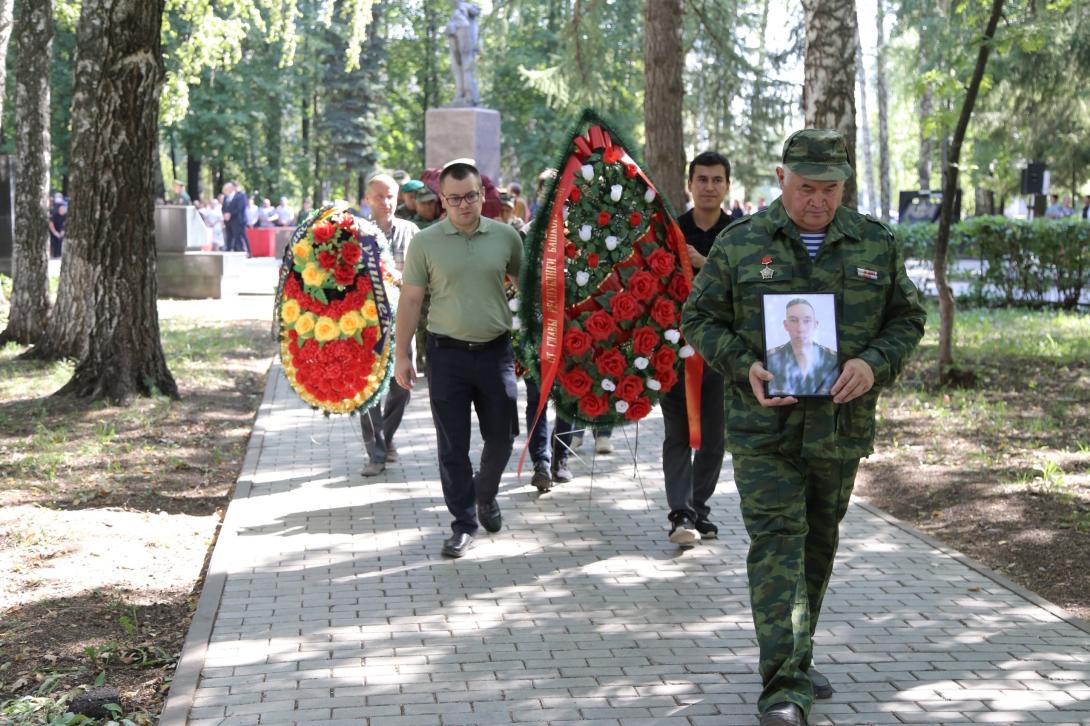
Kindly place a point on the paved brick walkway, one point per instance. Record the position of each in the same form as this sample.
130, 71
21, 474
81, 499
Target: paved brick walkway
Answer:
327, 602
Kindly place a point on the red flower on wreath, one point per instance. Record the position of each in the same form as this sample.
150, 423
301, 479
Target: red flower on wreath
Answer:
630, 387
592, 260
643, 285
664, 359
612, 155
662, 262
634, 219
351, 253
576, 382
631, 171
610, 362
343, 274
347, 222
593, 406
323, 232
624, 306
576, 342
570, 250
644, 340
638, 409
667, 377
327, 259
679, 288
600, 325
664, 312
603, 218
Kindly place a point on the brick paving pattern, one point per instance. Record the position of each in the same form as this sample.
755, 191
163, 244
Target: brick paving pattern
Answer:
327, 602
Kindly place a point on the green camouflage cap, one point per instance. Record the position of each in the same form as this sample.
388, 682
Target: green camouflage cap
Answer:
818, 154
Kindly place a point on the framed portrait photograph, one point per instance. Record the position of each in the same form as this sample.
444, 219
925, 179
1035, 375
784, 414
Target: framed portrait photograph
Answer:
800, 343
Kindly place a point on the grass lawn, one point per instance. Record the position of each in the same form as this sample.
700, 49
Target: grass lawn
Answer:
107, 514
1001, 471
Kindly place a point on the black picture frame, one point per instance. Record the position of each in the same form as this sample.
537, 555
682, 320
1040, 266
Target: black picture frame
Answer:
777, 343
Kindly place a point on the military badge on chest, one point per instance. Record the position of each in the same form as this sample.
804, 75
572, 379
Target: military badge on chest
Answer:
767, 272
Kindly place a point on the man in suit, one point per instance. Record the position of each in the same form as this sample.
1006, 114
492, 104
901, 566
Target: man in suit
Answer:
234, 218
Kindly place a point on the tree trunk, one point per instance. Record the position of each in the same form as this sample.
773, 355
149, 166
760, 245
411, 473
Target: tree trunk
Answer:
883, 113
193, 175
5, 36
663, 95
868, 159
828, 93
274, 148
923, 164
119, 74
949, 197
30, 254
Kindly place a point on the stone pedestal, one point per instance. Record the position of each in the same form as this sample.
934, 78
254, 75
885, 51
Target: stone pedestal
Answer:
179, 227
191, 275
456, 132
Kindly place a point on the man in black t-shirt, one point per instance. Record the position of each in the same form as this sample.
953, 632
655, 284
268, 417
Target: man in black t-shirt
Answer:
691, 477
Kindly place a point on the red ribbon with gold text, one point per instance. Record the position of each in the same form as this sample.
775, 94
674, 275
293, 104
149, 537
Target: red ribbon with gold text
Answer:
552, 294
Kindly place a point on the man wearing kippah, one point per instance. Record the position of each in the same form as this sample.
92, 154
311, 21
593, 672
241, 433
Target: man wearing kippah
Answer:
462, 263
795, 460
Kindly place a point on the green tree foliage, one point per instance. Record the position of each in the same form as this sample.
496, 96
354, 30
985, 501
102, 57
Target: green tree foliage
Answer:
738, 99
1037, 76
553, 58
351, 100
1029, 107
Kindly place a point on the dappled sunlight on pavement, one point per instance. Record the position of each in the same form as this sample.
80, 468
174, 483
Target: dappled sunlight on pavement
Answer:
328, 602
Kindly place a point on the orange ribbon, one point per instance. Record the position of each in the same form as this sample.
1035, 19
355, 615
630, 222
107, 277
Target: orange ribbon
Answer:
552, 295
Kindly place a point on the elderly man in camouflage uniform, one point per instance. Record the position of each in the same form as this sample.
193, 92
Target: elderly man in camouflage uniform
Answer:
795, 460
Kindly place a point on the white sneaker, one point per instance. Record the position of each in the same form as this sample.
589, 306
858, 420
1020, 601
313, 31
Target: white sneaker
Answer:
684, 533
603, 445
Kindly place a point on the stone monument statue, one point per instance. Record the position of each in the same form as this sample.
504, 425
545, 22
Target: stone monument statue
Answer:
462, 36
463, 128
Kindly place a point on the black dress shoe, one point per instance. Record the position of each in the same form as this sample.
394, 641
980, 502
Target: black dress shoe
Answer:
457, 545
822, 688
783, 714
490, 516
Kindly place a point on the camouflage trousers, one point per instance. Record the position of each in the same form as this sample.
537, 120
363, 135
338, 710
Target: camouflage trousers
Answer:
792, 509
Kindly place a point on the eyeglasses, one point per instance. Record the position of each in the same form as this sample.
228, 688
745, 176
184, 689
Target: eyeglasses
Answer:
456, 200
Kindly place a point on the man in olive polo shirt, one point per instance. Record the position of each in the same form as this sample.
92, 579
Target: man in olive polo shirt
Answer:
461, 263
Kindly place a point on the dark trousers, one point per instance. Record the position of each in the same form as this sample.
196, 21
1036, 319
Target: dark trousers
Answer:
381, 421
691, 476
460, 381
237, 240
792, 509
538, 436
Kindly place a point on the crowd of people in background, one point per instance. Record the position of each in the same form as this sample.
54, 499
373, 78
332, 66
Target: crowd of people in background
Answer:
1056, 210
229, 214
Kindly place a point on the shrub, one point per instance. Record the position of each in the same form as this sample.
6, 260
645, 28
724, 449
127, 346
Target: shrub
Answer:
1023, 260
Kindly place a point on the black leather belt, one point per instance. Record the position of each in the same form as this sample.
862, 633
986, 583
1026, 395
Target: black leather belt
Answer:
443, 341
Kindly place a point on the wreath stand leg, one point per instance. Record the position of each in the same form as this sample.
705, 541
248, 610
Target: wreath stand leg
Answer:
635, 464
